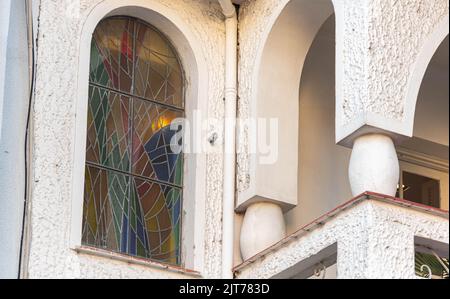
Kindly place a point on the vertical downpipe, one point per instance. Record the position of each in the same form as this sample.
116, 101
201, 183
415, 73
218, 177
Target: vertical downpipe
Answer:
229, 175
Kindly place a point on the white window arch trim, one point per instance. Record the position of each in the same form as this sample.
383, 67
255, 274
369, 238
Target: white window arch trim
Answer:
194, 64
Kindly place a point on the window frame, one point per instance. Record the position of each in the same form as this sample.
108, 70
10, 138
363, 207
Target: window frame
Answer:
414, 162
190, 52
132, 97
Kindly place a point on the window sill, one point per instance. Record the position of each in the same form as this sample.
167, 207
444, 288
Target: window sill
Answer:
136, 261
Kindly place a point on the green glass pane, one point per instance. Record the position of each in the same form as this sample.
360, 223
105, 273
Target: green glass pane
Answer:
108, 130
105, 208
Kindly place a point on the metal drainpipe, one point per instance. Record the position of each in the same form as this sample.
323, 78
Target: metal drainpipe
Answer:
229, 174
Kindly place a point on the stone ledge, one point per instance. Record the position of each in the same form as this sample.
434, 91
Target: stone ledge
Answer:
136, 261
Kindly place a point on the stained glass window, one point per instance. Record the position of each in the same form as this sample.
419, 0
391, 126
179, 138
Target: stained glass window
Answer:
133, 186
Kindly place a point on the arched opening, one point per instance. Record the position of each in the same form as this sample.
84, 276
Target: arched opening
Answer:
294, 84
322, 164
276, 83
424, 157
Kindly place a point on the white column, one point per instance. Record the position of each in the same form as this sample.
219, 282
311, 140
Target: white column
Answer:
381, 246
374, 165
263, 226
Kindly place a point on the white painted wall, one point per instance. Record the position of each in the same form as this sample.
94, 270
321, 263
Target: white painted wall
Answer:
5, 7
14, 98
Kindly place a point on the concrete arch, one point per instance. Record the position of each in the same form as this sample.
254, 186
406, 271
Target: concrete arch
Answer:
276, 77
196, 71
419, 69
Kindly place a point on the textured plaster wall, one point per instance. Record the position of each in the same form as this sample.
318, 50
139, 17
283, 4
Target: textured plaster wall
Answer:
254, 20
375, 240
378, 42
54, 123
397, 32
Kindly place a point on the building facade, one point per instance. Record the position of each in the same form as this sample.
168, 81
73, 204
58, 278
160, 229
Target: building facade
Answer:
315, 138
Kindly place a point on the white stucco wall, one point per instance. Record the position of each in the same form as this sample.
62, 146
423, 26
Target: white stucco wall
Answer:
254, 18
54, 124
381, 73
398, 33
14, 98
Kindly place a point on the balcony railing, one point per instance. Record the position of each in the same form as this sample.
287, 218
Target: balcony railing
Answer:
431, 260
371, 236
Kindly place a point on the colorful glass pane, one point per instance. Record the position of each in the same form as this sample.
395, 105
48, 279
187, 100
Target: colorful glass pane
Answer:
158, 73
133, 188
106, 206
160, 211
108, 129
152, 138
112, 55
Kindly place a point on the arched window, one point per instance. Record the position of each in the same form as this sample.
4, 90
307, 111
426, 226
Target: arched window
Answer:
133, 180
